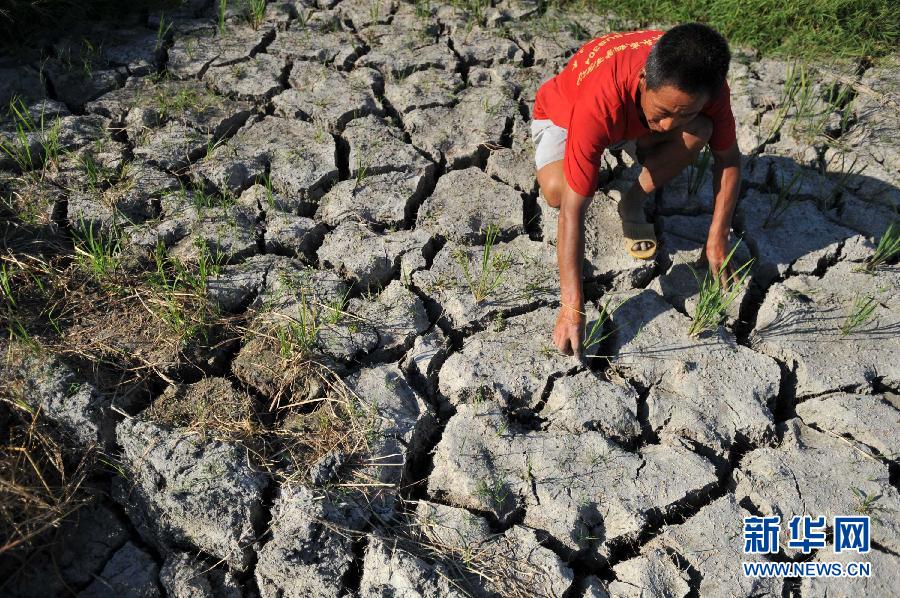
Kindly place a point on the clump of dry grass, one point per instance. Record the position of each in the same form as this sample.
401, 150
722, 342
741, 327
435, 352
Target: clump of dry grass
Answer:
41, 483
208, 405
312, 412
304, 413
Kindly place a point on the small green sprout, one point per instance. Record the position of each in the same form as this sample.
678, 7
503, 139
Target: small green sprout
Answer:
98, 253
783, 199
498, 324
256, 12
594, 335
492, 267
867, 504
494, 491
861, 311
162, 31
223, 7
29, 130
716, 297
888, 248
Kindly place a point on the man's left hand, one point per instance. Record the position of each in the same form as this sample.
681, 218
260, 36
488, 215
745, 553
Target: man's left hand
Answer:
716, 251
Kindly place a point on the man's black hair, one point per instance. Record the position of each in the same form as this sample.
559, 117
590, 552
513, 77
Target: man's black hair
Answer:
692, 57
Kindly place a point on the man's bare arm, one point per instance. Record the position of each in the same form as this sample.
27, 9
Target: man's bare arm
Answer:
726, 188
569, 330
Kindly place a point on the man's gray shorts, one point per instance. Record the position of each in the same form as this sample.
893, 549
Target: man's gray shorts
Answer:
550, 143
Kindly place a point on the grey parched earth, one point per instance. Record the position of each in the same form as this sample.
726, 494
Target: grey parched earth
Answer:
376, 142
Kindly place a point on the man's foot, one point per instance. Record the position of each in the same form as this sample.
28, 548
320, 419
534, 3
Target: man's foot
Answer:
634, 225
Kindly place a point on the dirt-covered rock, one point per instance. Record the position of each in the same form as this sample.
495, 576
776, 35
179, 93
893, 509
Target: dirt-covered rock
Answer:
466, 202
870, 420
812, 473
363, 13
20, 81
146, 103
193, 52
458, 535
76, 84
327, 96
288, 234
691, 378
565, 483
191, 228
34, 136
423, 89
515, 166
130, 572
476, 45
256, 80
399, 424
80, 408
377, 146
184, 576
318, 40
690, 192
653, 573
184, 491
884, 575
422, 362
709, 543
808, 323
390, 570
83, 545
776, 243
585, 402
173, 146
398, 316
462, 135
236, 285
300, 158
311, 547
683, 255
472, 284
557, 34
306, 309
869, 218
508, 365
387, 199
368, 258
400, 53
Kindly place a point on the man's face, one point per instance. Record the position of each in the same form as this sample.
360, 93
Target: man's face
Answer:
668, 107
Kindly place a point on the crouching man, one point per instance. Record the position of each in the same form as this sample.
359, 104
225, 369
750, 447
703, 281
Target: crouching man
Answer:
659, 96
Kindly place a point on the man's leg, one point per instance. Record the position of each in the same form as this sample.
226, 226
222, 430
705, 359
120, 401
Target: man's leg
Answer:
552, 182
550, 147
663, 155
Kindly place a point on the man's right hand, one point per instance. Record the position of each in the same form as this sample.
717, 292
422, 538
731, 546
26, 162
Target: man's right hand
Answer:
568, 334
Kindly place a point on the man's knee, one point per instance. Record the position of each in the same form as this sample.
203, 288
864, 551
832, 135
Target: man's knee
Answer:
552, 183
700, 127
552, 192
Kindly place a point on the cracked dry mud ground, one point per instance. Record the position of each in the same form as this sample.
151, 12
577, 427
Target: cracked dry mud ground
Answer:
357, 152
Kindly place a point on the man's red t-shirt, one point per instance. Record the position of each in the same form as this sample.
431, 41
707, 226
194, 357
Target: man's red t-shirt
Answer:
595, 98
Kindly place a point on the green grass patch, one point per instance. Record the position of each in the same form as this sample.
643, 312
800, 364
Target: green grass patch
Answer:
862, 310
716, 295
488, 276
888, 248
804, 28
34, 142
